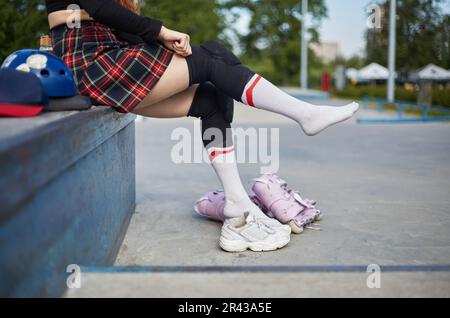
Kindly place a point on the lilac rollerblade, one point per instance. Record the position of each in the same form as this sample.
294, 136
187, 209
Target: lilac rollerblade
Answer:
273, 198
285, 205
211, 205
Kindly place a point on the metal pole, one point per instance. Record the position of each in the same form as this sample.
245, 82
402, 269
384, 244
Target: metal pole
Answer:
304, 48
392, 47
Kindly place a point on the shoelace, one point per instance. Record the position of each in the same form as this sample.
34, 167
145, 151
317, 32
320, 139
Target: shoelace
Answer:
296, 195
270, 219
291, 193
262, 226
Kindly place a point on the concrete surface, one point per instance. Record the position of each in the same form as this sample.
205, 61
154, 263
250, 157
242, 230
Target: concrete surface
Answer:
251, 285
383, 189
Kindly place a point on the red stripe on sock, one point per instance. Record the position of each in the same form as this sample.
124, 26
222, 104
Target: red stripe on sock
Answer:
213, 155
249, 92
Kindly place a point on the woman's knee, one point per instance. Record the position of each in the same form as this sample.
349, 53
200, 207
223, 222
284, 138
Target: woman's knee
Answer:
207, 57
212, 61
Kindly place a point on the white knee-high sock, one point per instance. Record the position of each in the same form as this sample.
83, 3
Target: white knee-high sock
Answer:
262, 94
237, 200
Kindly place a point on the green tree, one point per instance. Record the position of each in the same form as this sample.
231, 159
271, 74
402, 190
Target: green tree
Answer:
274, 36
24, 21
21, 25
354, 61
422, 35
202, 19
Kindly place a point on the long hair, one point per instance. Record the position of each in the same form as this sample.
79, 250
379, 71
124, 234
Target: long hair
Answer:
133, 5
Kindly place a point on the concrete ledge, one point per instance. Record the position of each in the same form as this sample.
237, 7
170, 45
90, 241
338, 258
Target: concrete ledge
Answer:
67, 193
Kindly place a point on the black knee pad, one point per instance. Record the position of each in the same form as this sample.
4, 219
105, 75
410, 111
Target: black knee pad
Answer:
208, 100
213, 62
218, 51
226, 105
209, 105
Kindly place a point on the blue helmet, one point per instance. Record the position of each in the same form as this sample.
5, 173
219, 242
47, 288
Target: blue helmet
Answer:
54, 74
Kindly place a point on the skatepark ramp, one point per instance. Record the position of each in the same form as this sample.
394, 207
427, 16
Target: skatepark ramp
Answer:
67, 192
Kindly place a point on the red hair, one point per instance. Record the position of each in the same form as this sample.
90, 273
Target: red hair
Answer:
132, 5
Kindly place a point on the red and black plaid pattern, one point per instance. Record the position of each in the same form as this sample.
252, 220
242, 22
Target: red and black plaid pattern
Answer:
110, 72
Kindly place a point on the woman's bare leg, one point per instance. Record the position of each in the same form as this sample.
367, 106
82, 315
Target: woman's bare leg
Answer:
174, 81
176, 106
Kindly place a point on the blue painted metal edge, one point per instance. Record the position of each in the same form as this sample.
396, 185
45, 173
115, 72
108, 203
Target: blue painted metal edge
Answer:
402, 120
263, 269
59, 226
401, 105
31, 159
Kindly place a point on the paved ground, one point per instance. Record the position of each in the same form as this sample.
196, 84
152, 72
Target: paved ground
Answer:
384, 190
258, 285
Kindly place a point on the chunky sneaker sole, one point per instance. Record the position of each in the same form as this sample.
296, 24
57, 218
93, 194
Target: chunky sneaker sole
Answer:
235, 247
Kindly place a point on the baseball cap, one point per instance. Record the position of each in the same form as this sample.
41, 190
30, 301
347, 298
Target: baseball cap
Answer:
21, 94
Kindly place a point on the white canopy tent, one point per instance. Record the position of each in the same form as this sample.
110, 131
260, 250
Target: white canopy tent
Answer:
352, 73
373, 72
431, 72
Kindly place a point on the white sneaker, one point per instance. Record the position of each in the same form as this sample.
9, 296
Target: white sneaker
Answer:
275, 224
247, 205
248, 232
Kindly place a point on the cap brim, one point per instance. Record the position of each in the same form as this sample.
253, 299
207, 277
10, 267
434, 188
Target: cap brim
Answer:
15, 110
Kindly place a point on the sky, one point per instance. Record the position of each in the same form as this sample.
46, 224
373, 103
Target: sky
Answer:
346, 24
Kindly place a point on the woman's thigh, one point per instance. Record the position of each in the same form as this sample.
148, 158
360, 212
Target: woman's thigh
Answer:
174, 80
175, 106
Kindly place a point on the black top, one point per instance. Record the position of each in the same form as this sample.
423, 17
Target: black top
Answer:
115, 16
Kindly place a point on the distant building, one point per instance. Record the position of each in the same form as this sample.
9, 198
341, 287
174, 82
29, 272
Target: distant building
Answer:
326, 51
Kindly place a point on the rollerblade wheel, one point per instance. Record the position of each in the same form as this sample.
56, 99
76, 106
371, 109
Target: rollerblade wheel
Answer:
295, 228
318, 217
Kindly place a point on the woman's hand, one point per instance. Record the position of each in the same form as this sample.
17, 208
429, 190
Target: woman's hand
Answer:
176, 41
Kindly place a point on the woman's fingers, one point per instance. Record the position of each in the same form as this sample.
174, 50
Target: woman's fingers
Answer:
178, 42
183, 47
186, 45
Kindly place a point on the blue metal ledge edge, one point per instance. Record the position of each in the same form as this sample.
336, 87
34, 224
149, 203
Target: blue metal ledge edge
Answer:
67, 194
267, 269
33, 151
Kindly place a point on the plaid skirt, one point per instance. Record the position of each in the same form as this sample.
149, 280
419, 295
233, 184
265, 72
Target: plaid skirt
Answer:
110, 72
